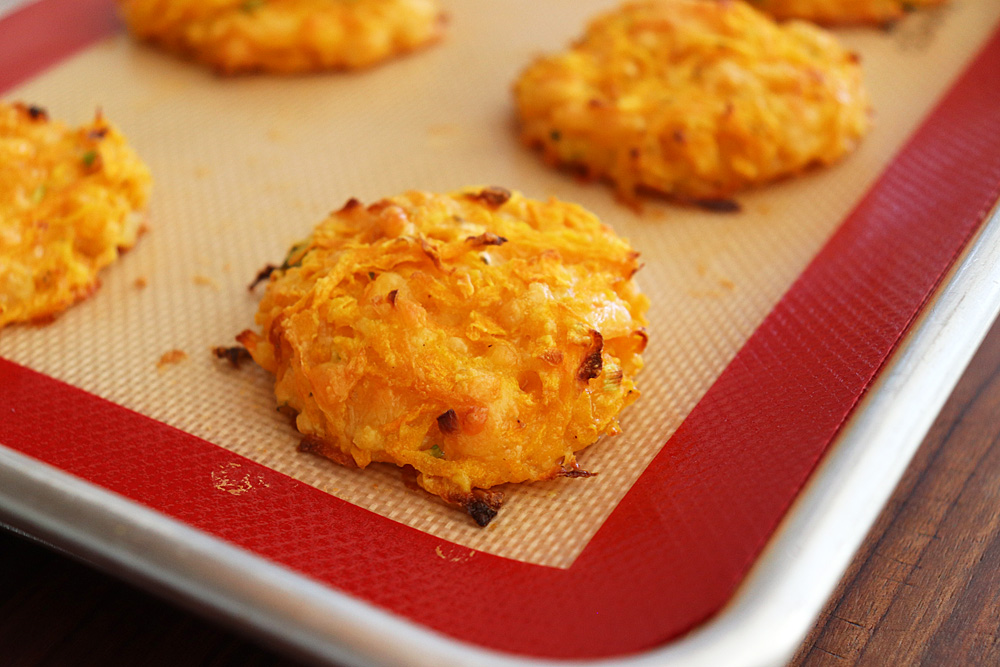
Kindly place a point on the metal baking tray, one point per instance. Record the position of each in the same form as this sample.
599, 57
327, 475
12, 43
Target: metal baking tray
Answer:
173, 536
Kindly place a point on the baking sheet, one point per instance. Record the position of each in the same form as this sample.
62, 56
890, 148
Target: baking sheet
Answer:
245, 167
283, 558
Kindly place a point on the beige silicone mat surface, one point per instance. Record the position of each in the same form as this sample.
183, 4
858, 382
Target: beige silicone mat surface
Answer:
245, 167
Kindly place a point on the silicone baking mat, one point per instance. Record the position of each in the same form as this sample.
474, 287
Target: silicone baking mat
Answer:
760, 357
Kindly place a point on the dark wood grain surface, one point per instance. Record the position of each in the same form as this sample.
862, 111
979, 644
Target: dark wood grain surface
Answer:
924, 589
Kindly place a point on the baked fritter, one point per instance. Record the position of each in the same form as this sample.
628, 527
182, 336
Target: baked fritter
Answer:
480, 337
70, 201
842, 12
694, 99
285, 36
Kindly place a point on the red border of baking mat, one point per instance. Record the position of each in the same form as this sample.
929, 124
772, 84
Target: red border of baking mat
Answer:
44, 33
676, 547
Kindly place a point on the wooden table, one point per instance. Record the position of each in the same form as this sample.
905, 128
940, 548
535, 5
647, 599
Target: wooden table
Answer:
923, 589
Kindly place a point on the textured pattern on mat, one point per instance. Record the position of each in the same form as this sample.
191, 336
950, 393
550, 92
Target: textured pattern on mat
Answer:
245, 167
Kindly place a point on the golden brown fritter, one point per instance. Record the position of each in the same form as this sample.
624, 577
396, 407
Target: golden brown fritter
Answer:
479, 337
694, 99
285, 36
842, 12
70, 201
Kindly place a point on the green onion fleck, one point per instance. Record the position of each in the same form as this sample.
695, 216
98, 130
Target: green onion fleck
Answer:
38, 194
250, 5
436, 452
89, 158
288, 263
